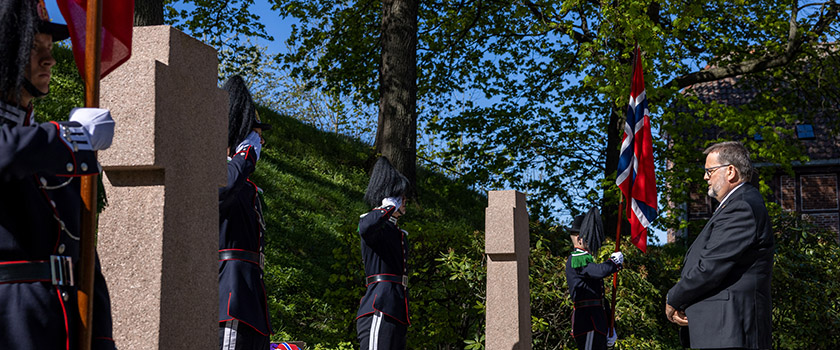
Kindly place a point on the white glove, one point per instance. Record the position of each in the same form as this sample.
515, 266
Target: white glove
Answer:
98, 125
611, 339
395, 201
253, 139
617, 258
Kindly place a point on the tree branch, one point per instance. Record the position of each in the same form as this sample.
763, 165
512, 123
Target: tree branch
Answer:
793, 48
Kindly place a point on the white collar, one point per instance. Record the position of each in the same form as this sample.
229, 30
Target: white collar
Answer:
730, 193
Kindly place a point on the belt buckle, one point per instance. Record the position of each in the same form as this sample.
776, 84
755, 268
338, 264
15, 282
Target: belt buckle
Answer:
61, 270
405, 281
262, 261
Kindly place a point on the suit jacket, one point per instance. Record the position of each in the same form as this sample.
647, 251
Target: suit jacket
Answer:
724, 287
242, 293
40, 193
586, 284
384, 252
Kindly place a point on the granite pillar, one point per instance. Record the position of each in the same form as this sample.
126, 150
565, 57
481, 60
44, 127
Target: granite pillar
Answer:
508, 313
158, 237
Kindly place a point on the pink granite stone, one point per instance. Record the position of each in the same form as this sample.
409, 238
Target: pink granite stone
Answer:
508, 312
158, 237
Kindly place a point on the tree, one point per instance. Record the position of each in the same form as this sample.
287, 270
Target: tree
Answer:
396, 133
148, 12
530, 94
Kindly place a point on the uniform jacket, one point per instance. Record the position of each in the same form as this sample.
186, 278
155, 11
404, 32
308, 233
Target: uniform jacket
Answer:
242, 293
724, 287
586, 285
384, 252
39, 194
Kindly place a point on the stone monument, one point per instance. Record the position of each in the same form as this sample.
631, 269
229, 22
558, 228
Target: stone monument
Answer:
508, 313
158, 236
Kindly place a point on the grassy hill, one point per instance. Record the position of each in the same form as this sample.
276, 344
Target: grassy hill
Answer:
314, 182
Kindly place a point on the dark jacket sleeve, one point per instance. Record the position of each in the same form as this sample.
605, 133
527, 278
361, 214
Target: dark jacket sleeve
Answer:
732, 233
598, 271
371, 224
103, 338
24, 151
239, 168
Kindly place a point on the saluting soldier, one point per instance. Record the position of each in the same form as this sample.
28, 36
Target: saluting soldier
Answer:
382, 320
586, 286
40, 200
243, 306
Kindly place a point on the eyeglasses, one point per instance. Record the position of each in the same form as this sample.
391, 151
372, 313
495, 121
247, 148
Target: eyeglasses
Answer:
711, 170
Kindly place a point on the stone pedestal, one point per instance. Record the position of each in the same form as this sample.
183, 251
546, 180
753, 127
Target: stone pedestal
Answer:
508, 314
158, 237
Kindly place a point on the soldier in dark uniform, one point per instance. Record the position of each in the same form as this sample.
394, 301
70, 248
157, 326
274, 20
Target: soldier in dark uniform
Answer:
586, 286
243, 306
382, 319
40, 200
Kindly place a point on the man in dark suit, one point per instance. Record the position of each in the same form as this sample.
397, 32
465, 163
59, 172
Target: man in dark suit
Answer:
723, 297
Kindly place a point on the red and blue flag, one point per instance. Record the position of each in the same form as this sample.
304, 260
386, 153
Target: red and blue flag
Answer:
636, 177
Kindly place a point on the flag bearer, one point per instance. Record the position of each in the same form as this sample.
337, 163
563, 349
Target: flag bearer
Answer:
40, 202
586, 286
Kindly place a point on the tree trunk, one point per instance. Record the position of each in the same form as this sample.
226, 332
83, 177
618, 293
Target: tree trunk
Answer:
148, 12
396, 133
615, 131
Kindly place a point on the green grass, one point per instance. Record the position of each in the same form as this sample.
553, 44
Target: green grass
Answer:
314, 182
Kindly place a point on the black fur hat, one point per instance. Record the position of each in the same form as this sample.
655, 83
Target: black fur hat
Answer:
592, 230
18, 24
385, 181
242, 113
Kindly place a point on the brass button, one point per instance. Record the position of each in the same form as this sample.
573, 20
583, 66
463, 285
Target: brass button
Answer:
61, 249
69, 167
84, 167
64, 295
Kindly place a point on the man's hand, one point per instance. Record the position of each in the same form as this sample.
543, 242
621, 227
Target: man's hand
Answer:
675, 316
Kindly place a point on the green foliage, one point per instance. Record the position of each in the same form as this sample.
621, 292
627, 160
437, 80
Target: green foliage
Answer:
806, 285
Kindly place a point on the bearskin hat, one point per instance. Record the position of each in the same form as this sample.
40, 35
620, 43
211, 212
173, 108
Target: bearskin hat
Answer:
19, 22
592, 230
242, 113
385, 181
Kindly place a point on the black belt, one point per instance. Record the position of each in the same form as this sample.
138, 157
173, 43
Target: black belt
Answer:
59, 271
249, 256
403, 280
585, 303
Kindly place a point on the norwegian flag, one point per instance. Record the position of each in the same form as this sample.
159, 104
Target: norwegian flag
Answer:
117, 27
636, 177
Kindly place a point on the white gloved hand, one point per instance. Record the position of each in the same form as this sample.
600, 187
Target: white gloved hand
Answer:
395, 201
617, 258
253, 139
611, 339
98, 125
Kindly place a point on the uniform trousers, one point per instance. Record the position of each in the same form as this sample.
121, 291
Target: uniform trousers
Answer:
591, 341
235, 335
380, 332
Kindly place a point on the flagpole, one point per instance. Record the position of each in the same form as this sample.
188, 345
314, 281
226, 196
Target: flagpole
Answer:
615, 274
93, 45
